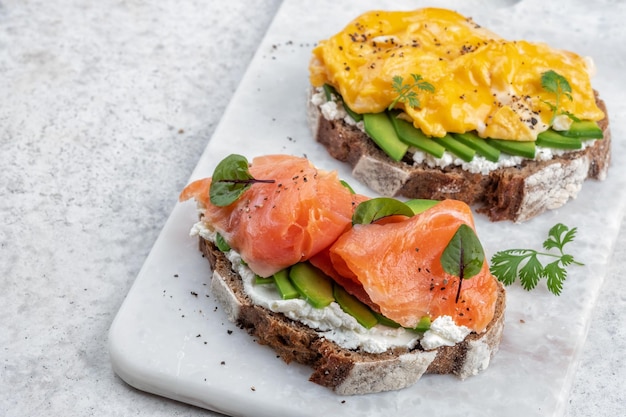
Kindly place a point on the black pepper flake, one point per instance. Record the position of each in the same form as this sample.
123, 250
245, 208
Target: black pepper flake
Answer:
252, 388
198, 335
229, 331
195, 294
222, 363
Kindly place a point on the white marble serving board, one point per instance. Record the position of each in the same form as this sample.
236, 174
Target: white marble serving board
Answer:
170, 338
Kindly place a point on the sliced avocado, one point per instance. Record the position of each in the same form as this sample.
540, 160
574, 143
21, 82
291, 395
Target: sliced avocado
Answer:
419, 205
514, 147
345, 184
423, 325
585, 129
354, 307
459, 149
329, 91
357, 117
312, 284
379, 128
285, 288
259, 280
385, 321
479, 144
415, 137
552, 139
221, 243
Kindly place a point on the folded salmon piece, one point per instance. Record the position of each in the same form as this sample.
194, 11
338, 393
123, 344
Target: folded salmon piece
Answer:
276, 225
398, 266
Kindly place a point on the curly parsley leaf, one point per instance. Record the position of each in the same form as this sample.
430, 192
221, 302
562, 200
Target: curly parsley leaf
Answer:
555, 83
525, 264
230, 180
405, 92
558, 236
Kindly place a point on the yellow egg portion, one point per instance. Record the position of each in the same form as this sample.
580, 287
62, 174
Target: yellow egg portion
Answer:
482, 82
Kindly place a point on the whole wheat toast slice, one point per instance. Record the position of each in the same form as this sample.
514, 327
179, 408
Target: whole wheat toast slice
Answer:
347, 372
516, 193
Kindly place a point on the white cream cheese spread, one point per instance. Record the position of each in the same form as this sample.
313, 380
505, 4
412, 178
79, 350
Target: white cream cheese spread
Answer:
334, 110
331, 321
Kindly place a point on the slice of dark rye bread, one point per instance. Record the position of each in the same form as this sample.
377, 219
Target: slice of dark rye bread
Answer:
515, 193
347, 372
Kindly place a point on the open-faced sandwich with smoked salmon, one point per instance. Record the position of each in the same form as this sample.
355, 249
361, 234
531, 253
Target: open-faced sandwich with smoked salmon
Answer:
371, 293
428, 104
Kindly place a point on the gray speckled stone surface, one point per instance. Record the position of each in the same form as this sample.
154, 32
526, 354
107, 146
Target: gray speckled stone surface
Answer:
106, 107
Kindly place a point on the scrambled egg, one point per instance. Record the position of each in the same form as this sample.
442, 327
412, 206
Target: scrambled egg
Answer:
481, 81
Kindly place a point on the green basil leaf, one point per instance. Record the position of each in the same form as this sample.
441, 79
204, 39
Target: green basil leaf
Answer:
463, 256
375, 209
230, 179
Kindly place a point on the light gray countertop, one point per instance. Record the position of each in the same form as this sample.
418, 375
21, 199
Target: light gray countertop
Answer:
106, 107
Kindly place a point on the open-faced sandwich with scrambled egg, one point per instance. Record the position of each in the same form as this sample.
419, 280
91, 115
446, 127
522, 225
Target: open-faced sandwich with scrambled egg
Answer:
371, 293
428, 104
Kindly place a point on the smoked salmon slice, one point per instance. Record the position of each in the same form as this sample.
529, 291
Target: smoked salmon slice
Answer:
276, 225
398, 265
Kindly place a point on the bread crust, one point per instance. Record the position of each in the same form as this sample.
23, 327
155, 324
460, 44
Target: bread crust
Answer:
516, 193
347, 372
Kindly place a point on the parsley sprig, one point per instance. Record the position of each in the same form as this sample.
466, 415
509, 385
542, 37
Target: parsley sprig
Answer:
405, 91
524, 264
555, 83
